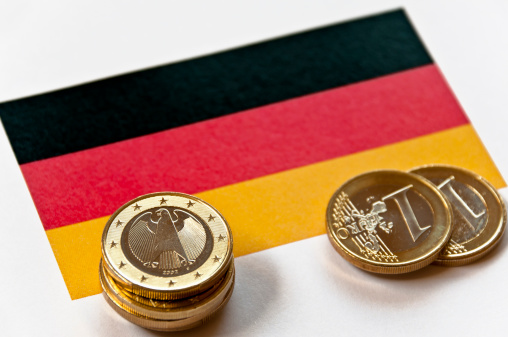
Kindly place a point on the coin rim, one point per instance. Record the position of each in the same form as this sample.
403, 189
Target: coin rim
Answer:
116, 294
488, 245
170, 325
391, 267
176, 292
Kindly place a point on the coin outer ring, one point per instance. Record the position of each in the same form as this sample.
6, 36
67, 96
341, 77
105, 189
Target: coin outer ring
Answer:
175, 305
156, 310
170, 325
410, 260
490, 237
158, 287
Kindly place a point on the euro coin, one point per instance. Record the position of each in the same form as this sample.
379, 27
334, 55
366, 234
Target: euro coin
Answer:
168, 315
167, 246
169, 326
479, 213
388, 221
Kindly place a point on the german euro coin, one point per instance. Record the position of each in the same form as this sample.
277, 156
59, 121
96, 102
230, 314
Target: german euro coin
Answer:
388, 221
168, 315
479, 213
167, 258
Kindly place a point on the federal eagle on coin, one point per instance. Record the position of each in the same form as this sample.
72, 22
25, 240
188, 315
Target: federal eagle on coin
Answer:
166, 238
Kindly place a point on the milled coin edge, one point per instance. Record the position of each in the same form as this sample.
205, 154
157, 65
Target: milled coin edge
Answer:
471, 256
394, 267
167, 294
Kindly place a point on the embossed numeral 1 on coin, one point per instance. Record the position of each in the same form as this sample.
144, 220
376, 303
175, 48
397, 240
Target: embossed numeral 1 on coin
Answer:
479, 213
460, 205
412, 224
366, 227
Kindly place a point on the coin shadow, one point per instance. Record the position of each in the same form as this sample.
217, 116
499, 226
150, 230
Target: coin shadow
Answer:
433, 270
255, 290
494, 255
398, 290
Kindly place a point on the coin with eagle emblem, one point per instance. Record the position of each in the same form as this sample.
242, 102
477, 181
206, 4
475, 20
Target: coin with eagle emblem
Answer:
168, 315
388, 221
167, 261
167, 245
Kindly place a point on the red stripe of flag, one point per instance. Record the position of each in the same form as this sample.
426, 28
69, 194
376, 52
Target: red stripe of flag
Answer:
93, 183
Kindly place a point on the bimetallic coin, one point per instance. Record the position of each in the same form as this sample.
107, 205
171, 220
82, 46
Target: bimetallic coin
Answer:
167, 246
388, 221
479, 213
168, 310
161, 314
169, 326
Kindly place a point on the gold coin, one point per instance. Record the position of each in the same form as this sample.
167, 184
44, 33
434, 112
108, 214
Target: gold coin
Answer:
177, 325
388, 221
479, 213
160, 315
181, 305
167, 246
168, 309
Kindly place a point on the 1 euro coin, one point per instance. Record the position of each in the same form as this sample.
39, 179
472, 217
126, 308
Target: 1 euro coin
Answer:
479, 213
388, 221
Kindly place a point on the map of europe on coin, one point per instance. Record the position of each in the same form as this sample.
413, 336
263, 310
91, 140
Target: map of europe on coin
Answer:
388, 221
479, 213
246, 129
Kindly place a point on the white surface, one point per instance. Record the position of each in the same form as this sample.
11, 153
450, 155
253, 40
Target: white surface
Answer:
302, 288
307, 289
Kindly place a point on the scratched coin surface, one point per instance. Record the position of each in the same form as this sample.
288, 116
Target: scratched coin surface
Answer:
167, 246
388, 221
479, 214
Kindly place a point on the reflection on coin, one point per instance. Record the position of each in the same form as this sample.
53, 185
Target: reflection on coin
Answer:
388, 221
166, 246
478, 211
176, 325
168, 315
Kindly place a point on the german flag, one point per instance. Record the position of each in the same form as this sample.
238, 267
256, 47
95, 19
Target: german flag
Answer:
265, 133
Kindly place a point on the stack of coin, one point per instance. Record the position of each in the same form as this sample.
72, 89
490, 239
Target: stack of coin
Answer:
392, 222
167, 261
